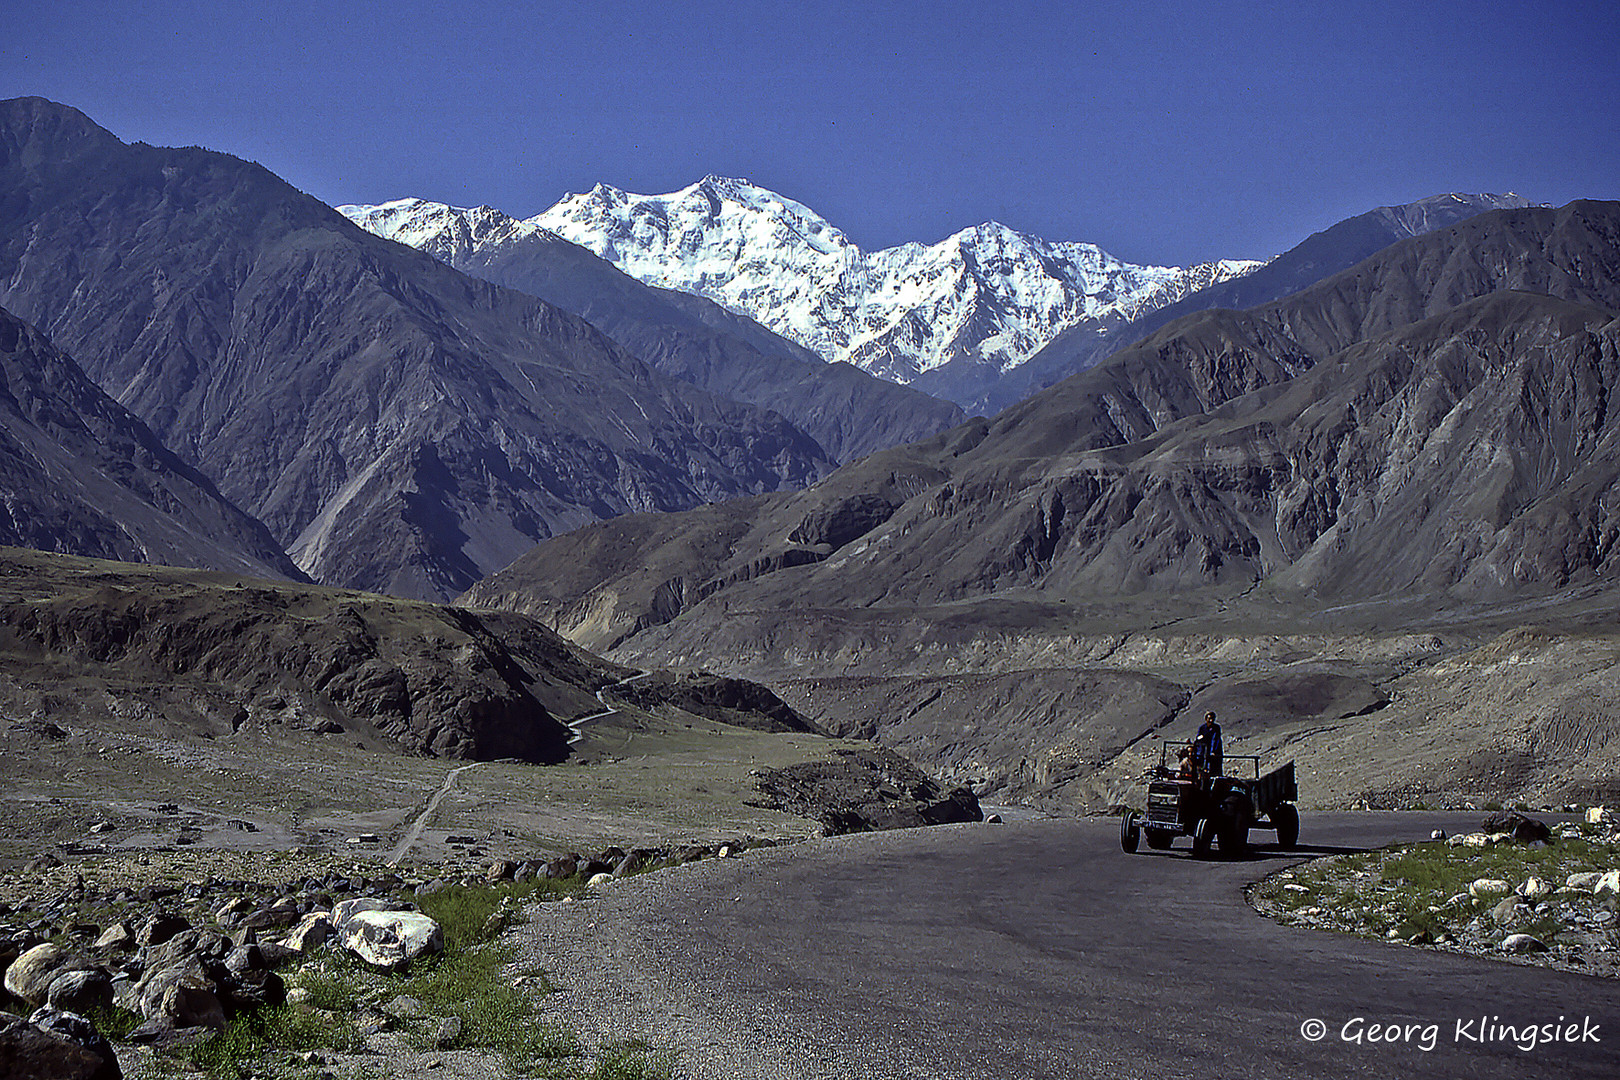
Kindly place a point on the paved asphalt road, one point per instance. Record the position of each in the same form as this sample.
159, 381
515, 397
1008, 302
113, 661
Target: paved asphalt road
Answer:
1038, 949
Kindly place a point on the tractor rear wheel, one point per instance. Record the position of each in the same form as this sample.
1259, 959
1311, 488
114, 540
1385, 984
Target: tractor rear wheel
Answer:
1286, 818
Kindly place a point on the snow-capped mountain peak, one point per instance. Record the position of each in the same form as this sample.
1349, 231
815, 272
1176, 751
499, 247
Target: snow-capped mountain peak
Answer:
987, 295
446, 232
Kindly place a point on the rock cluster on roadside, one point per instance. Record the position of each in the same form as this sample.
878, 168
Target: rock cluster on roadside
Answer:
865, 790
185, 957
1569, 920
183, 960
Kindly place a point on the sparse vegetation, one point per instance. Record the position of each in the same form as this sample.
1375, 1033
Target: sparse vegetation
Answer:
1419, 894
471, 981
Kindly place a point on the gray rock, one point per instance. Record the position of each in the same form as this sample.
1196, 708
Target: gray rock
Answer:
81, 990
269, 918
52, 1045
310, 933
500, 870
1509, 911
159, 928
231, 912
1522, 943
448, 1032
116, 936
180, 997
245, 958
405, 1007
30, 976
1518, 826
206, 946
252, 989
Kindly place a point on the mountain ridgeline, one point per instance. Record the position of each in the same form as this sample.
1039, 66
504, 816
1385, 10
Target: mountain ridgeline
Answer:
1433, 420
1319, 256
847, 411
397, 425
961, 312
80, 474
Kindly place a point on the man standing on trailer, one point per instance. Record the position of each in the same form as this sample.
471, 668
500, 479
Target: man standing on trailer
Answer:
1207, 748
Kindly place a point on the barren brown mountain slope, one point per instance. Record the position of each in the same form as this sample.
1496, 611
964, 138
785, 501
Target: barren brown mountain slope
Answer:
79, 474
397, 425
1337, 491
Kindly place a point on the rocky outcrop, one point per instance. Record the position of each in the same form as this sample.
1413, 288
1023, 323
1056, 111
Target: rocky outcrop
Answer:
1320, 256
730, 701
433, 680
866, 790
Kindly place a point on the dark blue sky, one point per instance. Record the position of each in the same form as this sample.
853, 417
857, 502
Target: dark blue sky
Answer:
1166, 132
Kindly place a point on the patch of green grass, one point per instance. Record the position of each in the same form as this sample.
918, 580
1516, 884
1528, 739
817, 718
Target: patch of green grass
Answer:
630, 1061
114, 1023
258, 1042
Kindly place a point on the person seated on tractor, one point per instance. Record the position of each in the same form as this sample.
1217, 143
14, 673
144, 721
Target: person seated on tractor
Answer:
1206, 749
1185, 772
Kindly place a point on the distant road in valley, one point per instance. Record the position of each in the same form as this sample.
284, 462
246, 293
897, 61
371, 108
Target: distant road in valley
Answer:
1038, 949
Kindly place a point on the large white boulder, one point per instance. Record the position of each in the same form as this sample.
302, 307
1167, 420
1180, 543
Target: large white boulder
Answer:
1486, 888
390, 939
343, 911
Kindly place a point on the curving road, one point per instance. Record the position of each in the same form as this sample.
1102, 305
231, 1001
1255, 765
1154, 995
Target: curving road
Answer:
1037, 949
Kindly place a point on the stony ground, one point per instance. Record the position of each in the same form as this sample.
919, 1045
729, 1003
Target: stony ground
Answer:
1554, 903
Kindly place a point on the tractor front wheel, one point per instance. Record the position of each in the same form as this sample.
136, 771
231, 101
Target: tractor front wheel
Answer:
1203, 836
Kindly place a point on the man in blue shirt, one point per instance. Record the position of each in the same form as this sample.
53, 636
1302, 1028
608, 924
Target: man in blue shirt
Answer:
1207, 747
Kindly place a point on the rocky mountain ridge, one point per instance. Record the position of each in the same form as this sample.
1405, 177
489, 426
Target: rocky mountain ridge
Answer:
1319, 256
847, 411
397, 425
80, 475
1271, 505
